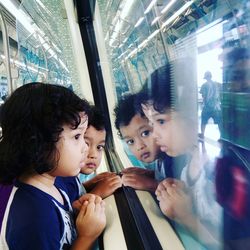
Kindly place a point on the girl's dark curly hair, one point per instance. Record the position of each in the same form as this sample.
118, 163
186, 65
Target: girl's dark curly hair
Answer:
157, 90
31, 120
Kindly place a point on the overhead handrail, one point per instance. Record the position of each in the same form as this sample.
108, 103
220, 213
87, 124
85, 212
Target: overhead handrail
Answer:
6, 47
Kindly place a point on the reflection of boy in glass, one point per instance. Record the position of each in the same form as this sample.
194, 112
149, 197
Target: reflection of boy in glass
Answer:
103, 184
135, 131
210, 92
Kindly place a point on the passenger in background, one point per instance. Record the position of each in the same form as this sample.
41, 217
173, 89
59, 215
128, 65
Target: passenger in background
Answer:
43, 129
103, 184
189, 201
134, 129
210, 91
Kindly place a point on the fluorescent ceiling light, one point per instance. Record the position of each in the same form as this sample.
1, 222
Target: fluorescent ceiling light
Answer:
150, 6
26, 23
18, 14
167, 6
177, 13
139, 21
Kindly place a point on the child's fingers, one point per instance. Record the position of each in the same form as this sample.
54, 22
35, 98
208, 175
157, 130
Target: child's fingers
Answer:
82, 211
77, 205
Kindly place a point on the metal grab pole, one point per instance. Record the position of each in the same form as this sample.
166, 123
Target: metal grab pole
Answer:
6, 47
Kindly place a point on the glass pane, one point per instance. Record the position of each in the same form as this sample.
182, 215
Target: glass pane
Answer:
205, 126
44, 44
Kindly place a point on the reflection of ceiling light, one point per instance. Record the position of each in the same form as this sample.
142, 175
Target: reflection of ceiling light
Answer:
22, 65
177, 13
153, 34
150, 6
155, 20
142, 44
139, 21
121, 17
126, 8
167, 6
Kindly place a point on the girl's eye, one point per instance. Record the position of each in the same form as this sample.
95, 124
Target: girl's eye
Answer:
130, 142
100, 147
145, 133
161, 121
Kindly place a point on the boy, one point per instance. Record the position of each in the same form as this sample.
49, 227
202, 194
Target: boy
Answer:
106, 183
135, 131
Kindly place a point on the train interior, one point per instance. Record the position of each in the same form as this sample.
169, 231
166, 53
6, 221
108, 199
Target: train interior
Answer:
104, 50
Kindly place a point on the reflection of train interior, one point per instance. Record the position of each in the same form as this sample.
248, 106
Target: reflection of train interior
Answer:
105, 50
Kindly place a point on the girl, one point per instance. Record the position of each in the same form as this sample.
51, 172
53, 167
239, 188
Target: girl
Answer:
167, 100
43, 130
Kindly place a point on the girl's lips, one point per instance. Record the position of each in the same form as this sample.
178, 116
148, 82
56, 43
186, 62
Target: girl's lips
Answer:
163, 148
82, 164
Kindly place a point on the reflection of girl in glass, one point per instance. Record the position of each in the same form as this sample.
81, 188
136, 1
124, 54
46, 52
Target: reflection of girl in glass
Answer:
189, 201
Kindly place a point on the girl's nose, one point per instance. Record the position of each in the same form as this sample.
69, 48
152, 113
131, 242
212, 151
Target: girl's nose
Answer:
155, 134
85, 147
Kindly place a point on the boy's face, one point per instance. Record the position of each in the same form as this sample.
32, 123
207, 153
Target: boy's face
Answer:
171, 132
95, 139
72, 149
138, 137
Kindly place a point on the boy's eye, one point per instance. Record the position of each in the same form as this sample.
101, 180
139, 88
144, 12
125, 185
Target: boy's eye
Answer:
77, 136
100, 147
145, 133
130, 142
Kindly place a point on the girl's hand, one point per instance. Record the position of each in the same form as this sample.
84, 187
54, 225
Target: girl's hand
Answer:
91, 219
174, 200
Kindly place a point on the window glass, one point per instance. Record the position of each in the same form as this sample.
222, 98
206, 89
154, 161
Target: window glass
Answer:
206, 44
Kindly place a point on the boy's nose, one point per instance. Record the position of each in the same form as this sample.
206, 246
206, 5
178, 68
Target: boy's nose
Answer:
141, 145
92, 153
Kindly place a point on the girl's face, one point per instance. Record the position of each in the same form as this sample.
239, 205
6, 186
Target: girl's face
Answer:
138, 136
169, 130
72, 149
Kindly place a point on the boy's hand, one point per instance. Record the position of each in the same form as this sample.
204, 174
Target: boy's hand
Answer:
138, 181
90, 184
107, 186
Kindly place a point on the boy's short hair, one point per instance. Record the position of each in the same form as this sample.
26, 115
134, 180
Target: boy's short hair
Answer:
96, 119
32, 119
125, 110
